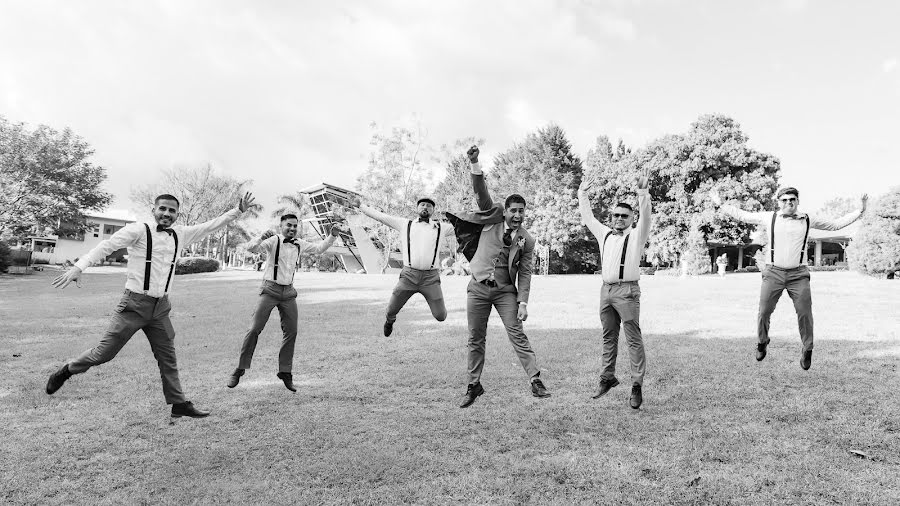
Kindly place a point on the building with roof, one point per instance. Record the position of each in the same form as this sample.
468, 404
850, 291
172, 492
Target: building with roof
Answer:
70, 244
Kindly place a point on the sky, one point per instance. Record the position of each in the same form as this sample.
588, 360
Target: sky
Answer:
285, 92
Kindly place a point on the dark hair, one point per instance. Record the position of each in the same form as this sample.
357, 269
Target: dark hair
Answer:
285, 217
166, 196
790, 190
515, 198
625, 205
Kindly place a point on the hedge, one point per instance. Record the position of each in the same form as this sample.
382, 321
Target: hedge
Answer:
5, 257
193, 265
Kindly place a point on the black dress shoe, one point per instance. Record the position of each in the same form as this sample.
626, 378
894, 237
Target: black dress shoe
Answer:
187, 409
388, 328
605, 386
472, 393
761, 351
538, 389
636, 398
288, 380
806, 360
58, 378
235, 378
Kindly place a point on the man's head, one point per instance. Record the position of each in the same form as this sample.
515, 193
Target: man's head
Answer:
165, 209
289, 225
788, 200
622, 216
425, 208
514, 210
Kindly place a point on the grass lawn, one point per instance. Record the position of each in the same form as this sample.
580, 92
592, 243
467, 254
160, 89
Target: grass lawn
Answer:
376, 419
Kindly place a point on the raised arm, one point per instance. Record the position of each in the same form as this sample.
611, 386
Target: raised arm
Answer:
644, 206
123, 238
843, 221
733, 212
194, 233
587, 213
482, 196
254, 245
321, 246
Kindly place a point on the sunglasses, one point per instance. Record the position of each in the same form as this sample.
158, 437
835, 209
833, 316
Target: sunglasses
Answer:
789, 200
623, 216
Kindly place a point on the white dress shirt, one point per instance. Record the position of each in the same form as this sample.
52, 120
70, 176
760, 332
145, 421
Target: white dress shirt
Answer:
789, 232
611, 252
134, 237
423, 236
288, 255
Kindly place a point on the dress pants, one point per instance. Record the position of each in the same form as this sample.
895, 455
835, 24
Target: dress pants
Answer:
413, 281
480, 299
796, 281
139, 312
620, 303
273, 295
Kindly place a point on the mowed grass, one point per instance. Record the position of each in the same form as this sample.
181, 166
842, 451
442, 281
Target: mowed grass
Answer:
376, 419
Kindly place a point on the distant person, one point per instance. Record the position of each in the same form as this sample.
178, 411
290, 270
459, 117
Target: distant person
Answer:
152, 252
283, 253
621, 249
785, 254
501, 256
722, 263
420, 240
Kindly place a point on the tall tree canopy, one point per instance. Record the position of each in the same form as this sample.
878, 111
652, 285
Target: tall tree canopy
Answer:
46, 177
875, 249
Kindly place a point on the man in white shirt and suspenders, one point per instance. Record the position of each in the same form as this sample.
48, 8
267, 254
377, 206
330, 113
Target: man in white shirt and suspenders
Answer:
420, 240
152, 252
282, 260
785, 255
621, 249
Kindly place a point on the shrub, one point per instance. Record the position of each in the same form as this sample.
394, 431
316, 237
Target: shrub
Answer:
875, 249
749, 268
695, 257
5, 257
193, 265
829, 268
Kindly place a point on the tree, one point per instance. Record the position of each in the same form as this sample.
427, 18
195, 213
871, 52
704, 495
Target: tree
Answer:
683, 168
454, 191
544, 170
875, 249
47, 179
203, 194
394, 178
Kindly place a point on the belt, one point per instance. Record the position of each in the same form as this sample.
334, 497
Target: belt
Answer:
786, 268
132, 292
618, 282
489, 282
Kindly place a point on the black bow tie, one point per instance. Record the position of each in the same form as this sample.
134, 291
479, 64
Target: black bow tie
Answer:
163, 228
424, 220
289, 240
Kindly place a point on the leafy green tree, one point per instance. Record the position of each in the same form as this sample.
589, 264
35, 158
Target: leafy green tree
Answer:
47, 178
837, 207
544, 170
875, 249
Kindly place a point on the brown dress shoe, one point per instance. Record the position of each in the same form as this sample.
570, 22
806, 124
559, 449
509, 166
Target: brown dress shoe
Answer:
472, 393
605, 386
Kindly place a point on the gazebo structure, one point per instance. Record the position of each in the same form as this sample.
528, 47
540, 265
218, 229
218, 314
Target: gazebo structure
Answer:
357, 252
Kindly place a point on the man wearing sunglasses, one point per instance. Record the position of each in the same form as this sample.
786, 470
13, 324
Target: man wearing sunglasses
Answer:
785, 256
621, 249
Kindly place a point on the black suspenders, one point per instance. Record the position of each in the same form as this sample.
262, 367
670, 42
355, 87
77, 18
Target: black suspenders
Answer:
277, 251
624, 252
437, 244
149, 260
772, 241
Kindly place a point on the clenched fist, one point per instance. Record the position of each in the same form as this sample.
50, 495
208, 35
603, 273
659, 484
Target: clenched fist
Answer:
472, 153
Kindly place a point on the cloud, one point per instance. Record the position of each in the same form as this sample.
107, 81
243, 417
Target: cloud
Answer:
889, 65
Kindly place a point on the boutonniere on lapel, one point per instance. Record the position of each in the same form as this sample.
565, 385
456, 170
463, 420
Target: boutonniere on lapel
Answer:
435, 224
520, 242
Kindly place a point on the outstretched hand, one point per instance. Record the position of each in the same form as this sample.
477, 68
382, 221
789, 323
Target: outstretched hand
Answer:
266, 235
63, 280
643, 181
587, 182
864, 200
472, 153
353, 202
245, 202
336, 230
